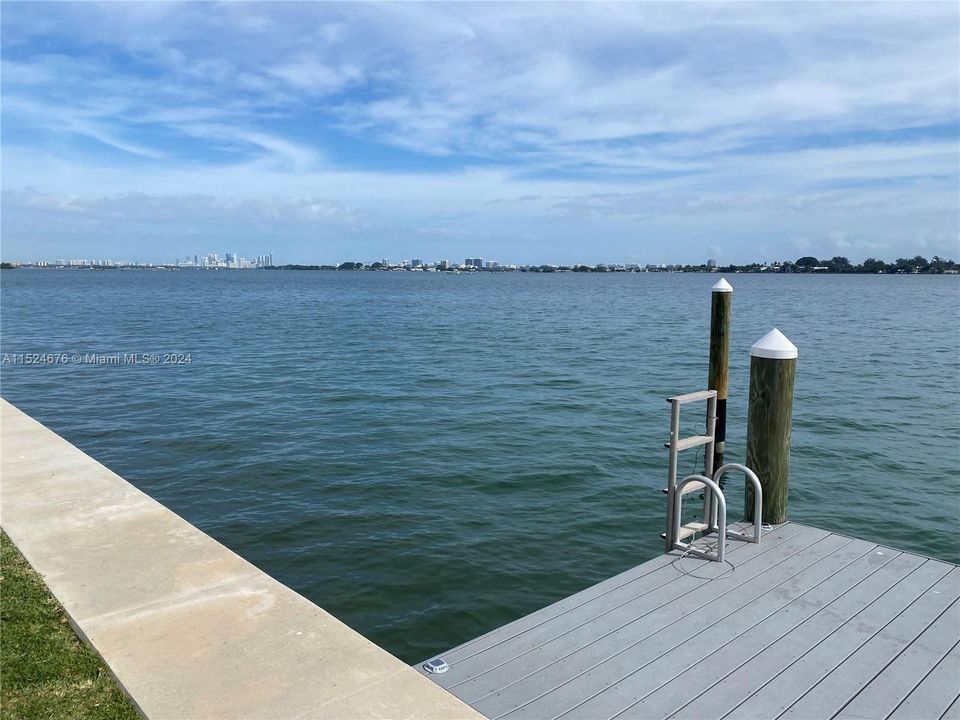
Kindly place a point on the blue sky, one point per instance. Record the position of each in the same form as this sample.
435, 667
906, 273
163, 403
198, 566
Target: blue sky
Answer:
564, 132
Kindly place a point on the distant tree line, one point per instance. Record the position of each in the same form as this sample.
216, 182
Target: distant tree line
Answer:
806, 264
840, 264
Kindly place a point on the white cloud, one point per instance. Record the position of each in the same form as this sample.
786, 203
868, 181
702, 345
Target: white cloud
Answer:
235, 210
314, 77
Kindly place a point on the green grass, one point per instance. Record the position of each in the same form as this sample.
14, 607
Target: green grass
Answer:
46, 671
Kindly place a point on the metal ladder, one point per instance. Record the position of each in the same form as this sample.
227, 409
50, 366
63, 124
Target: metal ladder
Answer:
714, 502
677, 444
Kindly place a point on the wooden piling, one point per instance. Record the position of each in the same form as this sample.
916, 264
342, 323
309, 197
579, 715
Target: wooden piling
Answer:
721, 301
773, 361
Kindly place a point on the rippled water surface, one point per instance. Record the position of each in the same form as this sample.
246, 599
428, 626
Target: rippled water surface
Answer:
429, 456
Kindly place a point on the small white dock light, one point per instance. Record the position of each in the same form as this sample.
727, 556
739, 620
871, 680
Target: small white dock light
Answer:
436, 666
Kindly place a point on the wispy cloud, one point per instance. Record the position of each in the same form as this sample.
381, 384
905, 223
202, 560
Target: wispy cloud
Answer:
309, 75
140, 206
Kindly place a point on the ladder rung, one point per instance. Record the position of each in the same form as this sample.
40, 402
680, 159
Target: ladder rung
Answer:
692, 441
695, 486
691, 529
693, 397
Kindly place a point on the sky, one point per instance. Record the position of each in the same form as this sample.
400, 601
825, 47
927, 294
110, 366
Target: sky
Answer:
525, 133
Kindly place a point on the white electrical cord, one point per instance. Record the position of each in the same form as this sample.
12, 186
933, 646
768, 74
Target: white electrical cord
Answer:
678, 562
711, 547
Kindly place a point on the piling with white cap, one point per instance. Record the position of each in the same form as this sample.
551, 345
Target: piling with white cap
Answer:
773, 363
721, 301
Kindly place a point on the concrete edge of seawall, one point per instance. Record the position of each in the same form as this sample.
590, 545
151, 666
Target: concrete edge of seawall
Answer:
188, 628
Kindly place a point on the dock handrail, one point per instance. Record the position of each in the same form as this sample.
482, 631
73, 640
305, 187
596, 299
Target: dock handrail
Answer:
717, 493
751, 476
712, 488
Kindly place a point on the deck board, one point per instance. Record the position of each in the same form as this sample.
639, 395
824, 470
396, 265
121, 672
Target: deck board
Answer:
896, 681
751, 674
554, 664
807, 624
637, 580
931, 697
807, 606
829, 696
791, 683
619, 666
617, 629
658, 669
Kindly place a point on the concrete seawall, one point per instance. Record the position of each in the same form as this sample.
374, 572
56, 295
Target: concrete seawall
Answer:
188, 628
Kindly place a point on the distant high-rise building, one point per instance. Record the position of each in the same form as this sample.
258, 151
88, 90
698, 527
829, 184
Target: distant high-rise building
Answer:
492, 264
711, 263
445, 264
416, 262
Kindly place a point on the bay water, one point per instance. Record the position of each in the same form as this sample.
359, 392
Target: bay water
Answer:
429, 455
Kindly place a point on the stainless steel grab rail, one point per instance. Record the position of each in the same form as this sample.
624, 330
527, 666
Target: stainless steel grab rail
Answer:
713, 486
675, 543
757, 496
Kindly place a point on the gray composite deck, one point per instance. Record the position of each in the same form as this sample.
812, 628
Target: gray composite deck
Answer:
808, 624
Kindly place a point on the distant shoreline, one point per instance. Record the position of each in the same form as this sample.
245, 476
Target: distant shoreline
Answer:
950, 267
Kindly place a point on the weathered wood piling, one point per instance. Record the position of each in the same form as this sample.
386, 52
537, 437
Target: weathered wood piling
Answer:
722, 297
773, 361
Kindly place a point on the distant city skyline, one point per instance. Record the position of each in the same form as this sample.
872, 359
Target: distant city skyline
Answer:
563, 132
205, 260
212, 261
